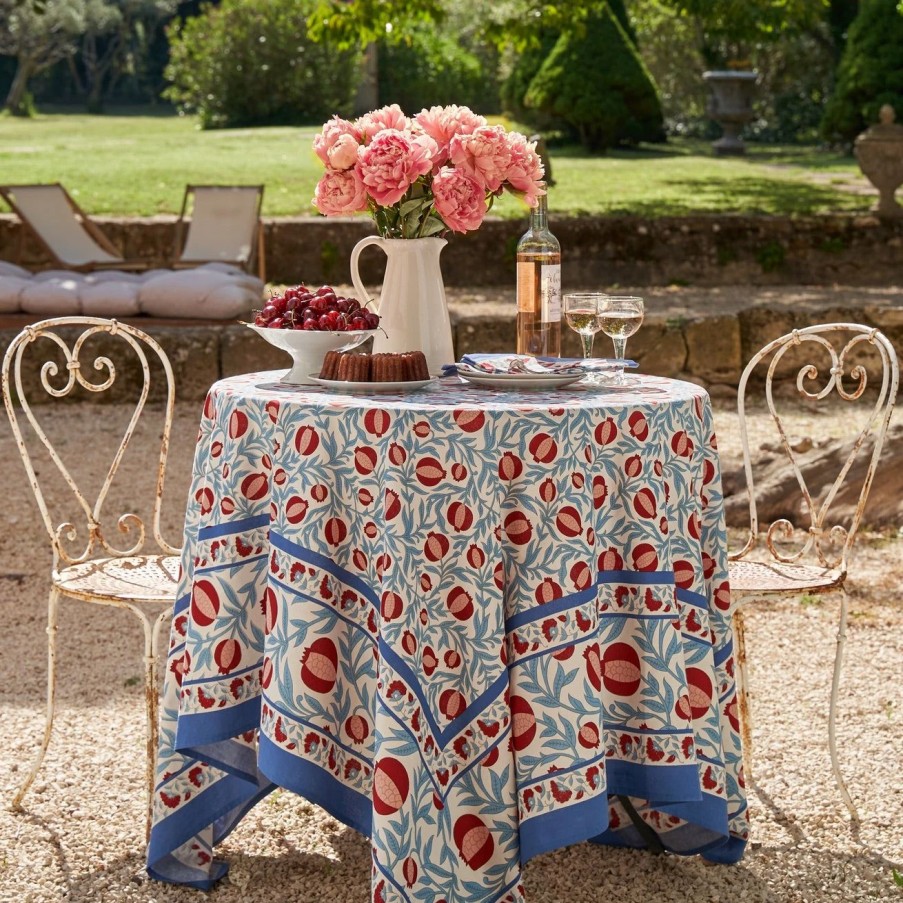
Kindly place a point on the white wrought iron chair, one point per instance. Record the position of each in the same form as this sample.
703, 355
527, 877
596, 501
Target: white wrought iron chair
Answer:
224, 227
812, 557
87, 564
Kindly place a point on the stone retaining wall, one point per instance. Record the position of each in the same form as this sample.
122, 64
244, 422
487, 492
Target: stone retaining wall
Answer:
613, 250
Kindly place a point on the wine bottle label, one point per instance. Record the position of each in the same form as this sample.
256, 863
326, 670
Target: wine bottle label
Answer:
550, 287
539, 290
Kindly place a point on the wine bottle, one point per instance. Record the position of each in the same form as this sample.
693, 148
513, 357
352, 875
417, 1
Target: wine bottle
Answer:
539, 287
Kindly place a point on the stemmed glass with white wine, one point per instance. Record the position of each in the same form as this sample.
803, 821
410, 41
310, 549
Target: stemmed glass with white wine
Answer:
620, 316
581, 311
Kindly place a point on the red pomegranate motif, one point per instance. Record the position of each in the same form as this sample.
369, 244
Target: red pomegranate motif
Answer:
397, 455
708, 472
429, 472
204, 498
498, 575
459, 516
280, 477
577, 480
390, 786
476, 557
633, 466
518, 528
409, 642
681, 444
436, 546
216, 449
700, 689
364, 460
209, 409
588, 737
606, 432
474, 841
458, 472
270, 610
610, 560
580, 575
683, 574
238, 424
723, 596
409, 870
708, 566
319, 493
732, 710
568, 522
359, 559
543, 448
296, 509
392, 504
227, 506
307, 440
319, 663
460, 604
422, 429
547, 490
452, 704
204, 603
370, 530
428, 661
644, 557
452, 659
365, 497
693, 527
391, 606
469, 421
593, 665
639, 429
255, 486
377, 421
644, 504
357, 728
227, 655
272, 409
335, 531
266, 672
621, 669
510, 467
548, 591
523, 723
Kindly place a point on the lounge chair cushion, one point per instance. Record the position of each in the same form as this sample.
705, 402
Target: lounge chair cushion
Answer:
10, 290
205, 292
109, 298
51, 297
10, 269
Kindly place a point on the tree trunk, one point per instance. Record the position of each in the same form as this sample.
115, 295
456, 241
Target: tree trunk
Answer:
16, 99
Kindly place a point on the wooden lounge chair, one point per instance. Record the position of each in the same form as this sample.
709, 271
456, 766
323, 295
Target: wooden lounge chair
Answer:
224, 227
64, 230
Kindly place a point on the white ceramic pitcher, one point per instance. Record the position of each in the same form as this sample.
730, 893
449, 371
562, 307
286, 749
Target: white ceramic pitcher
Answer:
412, 306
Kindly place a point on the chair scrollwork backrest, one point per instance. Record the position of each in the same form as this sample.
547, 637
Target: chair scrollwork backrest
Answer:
839, 345
73, 543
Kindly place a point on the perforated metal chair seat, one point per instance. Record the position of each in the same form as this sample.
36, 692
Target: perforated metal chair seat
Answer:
773, 577
141, 578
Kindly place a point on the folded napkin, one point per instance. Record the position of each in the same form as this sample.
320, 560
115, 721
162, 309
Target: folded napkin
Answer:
518, 363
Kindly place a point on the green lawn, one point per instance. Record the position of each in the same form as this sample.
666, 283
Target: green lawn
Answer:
136, 163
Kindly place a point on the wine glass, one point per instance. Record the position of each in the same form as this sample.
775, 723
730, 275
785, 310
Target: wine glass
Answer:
620, 316
581, 311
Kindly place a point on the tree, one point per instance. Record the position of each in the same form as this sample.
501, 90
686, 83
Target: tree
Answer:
112, 39
870, 72
38, 33
595, 81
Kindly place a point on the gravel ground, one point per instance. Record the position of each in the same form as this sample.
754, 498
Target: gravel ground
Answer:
81, 838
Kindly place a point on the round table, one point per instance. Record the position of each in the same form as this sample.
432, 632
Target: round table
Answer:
474, 625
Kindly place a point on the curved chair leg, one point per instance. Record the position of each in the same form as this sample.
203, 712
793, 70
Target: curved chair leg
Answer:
832, 712
742, 680
52, 607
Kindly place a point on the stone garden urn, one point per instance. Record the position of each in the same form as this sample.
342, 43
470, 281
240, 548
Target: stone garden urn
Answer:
879, 150
730, 105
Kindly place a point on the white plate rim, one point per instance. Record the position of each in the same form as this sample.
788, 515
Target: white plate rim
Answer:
504, 380
399, 386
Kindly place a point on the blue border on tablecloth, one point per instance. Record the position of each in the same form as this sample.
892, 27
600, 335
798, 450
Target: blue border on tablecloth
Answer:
202, 728
562, 827
681, 782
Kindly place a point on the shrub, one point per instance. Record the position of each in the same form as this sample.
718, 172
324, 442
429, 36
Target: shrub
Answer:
250, 63
870, 72
425, 67
514, 88
595, 81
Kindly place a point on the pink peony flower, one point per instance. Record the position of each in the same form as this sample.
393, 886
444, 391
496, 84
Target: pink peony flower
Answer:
333, 132
443, 123
391, 163
484, 155
343, 154
340, 192
390, 117
459, 199
526, 170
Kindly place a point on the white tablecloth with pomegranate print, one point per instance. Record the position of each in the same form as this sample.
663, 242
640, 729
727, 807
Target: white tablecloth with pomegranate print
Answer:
470, 624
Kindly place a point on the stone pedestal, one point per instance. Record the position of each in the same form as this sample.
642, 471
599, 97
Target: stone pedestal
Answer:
879, 150
730, 105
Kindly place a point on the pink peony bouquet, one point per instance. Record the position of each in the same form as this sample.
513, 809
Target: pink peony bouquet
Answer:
422, 175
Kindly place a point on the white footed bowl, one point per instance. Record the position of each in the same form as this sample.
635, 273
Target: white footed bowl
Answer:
309, 348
